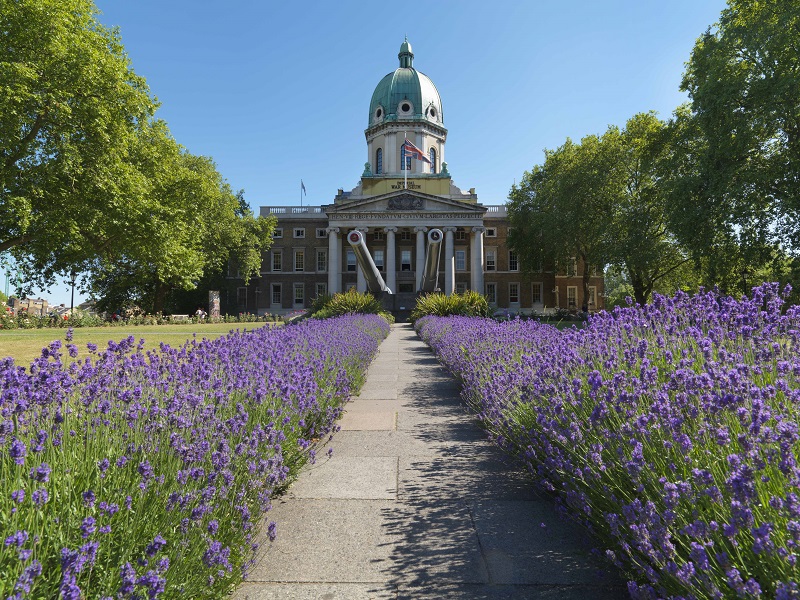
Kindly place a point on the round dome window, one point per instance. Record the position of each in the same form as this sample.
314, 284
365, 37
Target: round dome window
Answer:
379, 113
405, 107
433, 113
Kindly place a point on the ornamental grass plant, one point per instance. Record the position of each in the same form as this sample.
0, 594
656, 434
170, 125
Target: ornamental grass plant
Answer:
669, 430
468, 304
132, 474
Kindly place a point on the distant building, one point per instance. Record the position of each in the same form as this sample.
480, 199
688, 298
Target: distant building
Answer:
398, 199
31, 306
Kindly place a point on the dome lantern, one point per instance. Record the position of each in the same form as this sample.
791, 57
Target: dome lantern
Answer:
406, 55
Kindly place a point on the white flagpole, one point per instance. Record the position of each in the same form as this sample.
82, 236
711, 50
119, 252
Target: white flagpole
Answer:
405, 162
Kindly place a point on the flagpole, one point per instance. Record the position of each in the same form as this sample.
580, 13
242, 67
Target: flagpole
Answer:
405, 162
301, 193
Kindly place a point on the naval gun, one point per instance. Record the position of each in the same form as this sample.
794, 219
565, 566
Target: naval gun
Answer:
431, 271
375, 283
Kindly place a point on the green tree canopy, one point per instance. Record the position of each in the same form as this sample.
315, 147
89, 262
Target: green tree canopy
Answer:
737, 192
601, 200
70, 108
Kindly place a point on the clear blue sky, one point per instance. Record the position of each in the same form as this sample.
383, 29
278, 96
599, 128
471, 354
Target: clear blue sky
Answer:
275, 92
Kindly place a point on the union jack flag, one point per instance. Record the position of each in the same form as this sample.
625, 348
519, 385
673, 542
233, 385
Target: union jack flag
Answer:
412, 150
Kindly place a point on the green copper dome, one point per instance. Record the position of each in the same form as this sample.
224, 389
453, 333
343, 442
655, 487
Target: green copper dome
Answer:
405, 94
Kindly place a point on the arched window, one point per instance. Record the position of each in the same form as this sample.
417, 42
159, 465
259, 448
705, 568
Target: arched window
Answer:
432, 156
379, 161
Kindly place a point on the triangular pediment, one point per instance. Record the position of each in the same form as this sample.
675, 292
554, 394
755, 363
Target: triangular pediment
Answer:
404, 201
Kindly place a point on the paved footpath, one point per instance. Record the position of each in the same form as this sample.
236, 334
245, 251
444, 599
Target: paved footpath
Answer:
414, 503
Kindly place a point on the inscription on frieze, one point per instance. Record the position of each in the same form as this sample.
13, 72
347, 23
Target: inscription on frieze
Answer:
405, 203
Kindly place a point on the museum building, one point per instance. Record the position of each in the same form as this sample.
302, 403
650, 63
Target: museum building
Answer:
399, 199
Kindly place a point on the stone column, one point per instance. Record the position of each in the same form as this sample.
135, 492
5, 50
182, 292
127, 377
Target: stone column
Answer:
476, 263
334, 261
420, 262
361, 280
391, 269
449, 261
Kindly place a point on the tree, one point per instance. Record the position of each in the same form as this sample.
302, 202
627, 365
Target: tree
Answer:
559, 210
70, 107
742, 137
188, 224
639, 238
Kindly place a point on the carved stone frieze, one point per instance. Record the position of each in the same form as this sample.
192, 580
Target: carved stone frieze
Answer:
405, 203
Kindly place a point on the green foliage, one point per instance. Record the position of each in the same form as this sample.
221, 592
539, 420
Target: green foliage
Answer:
71, 107
734, 191
351, 301
91, 182
468, 304
601, 201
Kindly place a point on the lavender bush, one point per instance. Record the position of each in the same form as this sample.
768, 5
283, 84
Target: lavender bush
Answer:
669, 430
133, 475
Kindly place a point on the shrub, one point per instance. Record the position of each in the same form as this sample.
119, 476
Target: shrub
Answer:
468, 304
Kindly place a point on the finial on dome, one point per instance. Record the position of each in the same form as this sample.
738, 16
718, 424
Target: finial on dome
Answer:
406, 55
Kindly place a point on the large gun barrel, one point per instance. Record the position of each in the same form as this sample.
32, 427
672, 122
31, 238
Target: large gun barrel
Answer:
375, 283
431, 270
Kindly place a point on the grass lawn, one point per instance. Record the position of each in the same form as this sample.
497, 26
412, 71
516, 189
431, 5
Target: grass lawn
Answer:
24, 345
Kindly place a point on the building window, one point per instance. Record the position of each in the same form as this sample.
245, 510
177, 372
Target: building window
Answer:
299, 294
461, 234
322, 260
379, 161
277, 233
378, 236
432, 157
572, 296
322, 232
277, 260
405, 260
513, 261
461, 287
299, 260
592, 297
276, 294
461, 260
513, 293
405, 288
573, 267
322, 289
351, 260
241, 297
405, 235
491, 260
491, 293
378, 259
491, 232
299, 232
536, 293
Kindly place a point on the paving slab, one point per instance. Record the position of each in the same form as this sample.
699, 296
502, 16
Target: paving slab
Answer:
526, 542
363, 477
327, 541
315, 591
456, 477
369, 421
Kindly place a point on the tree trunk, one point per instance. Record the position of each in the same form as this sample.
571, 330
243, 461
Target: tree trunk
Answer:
160, 296
586, 275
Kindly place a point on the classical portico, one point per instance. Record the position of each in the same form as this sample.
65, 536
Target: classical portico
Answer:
412, 212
